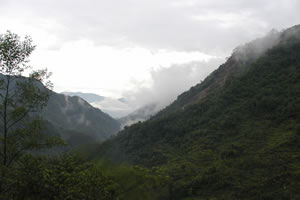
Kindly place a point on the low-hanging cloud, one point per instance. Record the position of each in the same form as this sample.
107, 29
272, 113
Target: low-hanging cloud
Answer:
169, 82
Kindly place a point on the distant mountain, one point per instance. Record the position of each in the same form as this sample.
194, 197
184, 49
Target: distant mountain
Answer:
89, 97
114, 107
75, 114
139, 115
73, 119
236, 135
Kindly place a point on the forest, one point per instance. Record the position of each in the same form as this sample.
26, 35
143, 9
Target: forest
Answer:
236, 135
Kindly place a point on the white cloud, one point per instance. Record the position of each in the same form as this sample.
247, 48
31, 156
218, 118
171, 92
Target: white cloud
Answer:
81, 65
108, 47
169, 82
157, 24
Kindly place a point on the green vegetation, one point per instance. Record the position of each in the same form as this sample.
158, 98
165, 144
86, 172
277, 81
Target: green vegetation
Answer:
73, 115
20, 99
27, 172
234, 136
70, 177
238, 141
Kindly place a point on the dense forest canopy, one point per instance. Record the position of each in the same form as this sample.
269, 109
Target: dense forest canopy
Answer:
233, 136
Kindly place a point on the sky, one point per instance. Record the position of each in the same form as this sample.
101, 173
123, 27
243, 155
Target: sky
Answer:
139, 49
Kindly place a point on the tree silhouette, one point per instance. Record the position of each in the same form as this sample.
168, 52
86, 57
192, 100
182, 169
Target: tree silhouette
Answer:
20, 100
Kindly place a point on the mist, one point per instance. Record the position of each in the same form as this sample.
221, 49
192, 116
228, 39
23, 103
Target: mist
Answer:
169, 82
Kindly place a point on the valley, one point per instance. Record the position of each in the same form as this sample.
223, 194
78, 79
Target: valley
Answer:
234, 135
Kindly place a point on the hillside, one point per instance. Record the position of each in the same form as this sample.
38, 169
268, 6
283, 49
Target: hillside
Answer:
73, 114
141, 114
236, 135
116, 108
89, 97
74, 119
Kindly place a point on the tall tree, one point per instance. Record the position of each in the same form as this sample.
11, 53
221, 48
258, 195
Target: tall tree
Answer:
20, 100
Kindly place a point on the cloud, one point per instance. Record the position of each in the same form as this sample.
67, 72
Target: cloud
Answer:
106, 70
169, 82
99, 46
214, 26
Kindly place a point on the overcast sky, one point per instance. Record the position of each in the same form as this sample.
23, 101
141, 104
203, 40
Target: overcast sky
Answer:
118, 47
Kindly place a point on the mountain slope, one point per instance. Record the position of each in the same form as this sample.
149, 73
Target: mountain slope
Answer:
71, 118
114, 107
242, 57
141, 114
75, 114
89, 97
239, 139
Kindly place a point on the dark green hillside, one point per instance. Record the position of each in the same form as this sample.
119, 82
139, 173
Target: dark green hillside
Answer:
243, 56
75, 114
239, 139
74, 119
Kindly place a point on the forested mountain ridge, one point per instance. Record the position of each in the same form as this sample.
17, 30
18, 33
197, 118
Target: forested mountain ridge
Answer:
141, 114
116, 108
239, 139
242, 57
73, 119
89, 97
75, 114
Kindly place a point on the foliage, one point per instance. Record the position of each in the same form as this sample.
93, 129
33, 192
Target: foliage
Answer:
238, 140
69, 177
73, 114
241, 141
135, 182
24, 172
63, 177
20, 99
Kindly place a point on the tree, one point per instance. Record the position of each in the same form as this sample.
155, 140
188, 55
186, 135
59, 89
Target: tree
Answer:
66, 176
20, 100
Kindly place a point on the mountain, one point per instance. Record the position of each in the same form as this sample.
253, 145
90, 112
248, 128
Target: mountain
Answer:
89, 97
71, 118
236, 135
117, 108
75, 114
141, 114
114, 107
